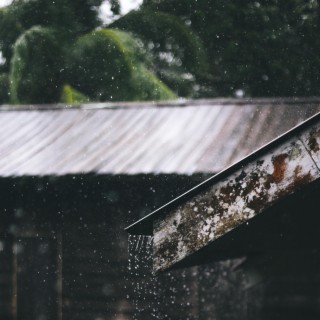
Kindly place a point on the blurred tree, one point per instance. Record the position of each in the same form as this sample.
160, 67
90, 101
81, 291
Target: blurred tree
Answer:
10, 29
147, 86
109, 64
266, 47
115, 7
35, 67
70, 96
4, 88
71, 18
179, 58
36, 41
261, 48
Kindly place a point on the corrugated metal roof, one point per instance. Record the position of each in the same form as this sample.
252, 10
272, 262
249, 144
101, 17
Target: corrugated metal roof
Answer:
179, 137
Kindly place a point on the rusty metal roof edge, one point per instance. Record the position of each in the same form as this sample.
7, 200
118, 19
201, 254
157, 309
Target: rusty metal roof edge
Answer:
145, 225
181, 102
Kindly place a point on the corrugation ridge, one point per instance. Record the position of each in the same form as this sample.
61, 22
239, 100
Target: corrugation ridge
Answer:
212, 140
138, 139
265, 129
128, 131
24, 122
232, 126
174, 160
54, 131
67, 145
100, 150
82, 137
164, 138
192, 157
31, 147
7, 120
250, 135
235, 137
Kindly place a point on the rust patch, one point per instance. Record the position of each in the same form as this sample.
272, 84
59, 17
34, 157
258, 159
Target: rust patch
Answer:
298, 181
279, 167
230, 192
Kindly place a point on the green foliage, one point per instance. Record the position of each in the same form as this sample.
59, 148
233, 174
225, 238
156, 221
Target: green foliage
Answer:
10, 29
104, 65
35, 40
35, 67
115, 6
266, 47
71, 96
70, 18
4, 88
179, 56
149, 87
99, 65
167, 34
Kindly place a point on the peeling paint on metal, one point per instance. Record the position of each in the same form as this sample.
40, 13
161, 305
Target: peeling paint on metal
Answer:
311, 141
237, 198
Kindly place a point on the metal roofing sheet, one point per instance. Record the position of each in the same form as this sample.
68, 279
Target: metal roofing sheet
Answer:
196, 136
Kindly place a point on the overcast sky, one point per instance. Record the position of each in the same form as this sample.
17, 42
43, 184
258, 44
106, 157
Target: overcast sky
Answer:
4, 2
126, 6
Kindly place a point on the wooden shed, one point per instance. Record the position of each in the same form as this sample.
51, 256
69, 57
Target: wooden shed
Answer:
72, 177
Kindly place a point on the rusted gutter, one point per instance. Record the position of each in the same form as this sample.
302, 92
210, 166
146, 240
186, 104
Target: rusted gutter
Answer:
234, 196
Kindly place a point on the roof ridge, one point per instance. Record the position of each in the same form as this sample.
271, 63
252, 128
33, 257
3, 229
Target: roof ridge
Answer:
158, 104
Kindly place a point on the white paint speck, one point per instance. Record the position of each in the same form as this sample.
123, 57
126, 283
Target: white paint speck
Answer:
209, 209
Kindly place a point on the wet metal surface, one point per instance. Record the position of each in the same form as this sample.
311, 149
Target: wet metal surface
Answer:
237, 198
132, 138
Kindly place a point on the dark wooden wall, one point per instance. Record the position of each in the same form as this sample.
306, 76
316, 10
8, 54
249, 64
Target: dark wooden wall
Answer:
72, 251
64, 255
7, 280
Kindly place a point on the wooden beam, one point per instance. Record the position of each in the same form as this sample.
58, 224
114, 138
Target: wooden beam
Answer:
237, 197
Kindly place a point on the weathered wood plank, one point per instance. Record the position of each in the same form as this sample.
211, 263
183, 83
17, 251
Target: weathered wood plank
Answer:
237, 198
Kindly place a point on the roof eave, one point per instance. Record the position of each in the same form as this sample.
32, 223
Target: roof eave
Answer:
144, 226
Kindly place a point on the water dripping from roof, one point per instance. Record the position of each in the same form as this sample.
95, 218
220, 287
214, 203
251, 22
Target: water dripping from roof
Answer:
169, 295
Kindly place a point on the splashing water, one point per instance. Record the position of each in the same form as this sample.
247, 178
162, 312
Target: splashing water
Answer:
187, 294
169, 295
144, 295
